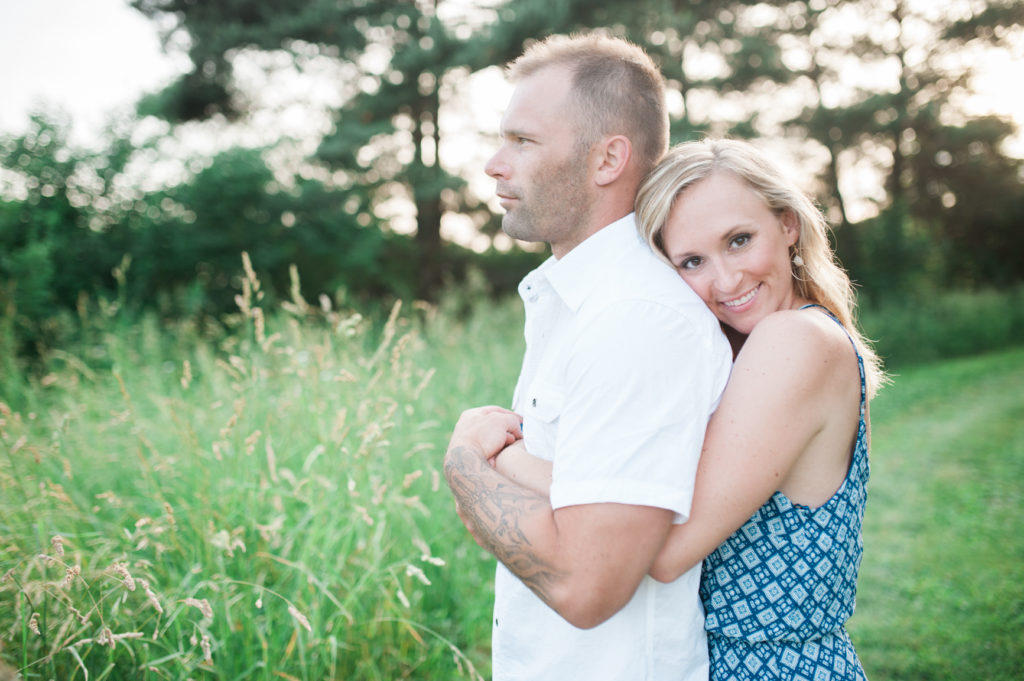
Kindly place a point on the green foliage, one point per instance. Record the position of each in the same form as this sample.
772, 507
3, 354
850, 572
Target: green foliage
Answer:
234, 205
50, 249
920, 329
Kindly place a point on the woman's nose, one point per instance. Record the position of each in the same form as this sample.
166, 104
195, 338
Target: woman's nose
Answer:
727, 279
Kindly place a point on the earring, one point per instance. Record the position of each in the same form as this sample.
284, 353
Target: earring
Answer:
797, 260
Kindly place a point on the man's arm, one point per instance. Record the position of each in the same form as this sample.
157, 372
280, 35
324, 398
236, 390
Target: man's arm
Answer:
522, 468
500, 514
584, 561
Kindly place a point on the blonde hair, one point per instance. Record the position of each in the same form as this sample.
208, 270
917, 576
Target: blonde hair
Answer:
617, 89
817, 278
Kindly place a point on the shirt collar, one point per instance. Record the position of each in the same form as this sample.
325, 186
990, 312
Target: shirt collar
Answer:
581, 269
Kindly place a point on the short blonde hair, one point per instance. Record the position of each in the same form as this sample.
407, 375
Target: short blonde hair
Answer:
617, 89
818, 278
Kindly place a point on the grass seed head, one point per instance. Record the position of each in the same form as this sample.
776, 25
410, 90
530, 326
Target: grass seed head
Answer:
414, 571
70, 575
299, 617
121, 569
186, 374
411, 478
250, 442
204, 644
203, 605
33, 624
151, 597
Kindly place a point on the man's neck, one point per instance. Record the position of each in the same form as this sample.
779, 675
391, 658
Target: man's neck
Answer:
562, 249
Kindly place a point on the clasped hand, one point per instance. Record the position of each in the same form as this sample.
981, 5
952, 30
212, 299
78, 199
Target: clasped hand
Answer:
481, 433
486, 431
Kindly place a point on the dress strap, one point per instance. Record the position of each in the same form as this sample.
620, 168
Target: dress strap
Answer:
860, 360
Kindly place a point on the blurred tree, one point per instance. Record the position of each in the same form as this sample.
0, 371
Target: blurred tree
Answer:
54, 240
234, 204
886, 83
403, 60
399, 58
871, 82
970, 202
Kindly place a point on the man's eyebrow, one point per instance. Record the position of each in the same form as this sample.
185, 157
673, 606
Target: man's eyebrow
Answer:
516, 132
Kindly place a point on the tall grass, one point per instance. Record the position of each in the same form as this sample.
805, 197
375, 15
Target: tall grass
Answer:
264, 504
265, 501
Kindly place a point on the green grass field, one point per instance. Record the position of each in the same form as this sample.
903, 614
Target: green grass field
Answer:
267, 504
941, 594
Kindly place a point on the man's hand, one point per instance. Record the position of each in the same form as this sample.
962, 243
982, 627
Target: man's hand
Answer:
486, 430
482, 432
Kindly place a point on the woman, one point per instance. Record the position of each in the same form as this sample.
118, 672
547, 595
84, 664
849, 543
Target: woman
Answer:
785, 455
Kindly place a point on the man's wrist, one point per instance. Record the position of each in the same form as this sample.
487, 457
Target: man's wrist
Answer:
463, 448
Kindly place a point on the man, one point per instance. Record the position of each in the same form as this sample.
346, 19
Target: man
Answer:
623, 367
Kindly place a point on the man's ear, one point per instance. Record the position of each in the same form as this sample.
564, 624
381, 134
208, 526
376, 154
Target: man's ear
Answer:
613, 154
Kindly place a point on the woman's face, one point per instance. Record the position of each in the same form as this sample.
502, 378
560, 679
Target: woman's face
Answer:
732, 250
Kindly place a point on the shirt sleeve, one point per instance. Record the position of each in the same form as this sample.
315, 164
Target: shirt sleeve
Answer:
641, 384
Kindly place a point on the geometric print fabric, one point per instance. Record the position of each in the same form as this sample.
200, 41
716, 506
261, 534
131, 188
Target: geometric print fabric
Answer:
830, 658
778, 592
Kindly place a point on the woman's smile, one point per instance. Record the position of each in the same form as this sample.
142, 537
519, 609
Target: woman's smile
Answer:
742, 300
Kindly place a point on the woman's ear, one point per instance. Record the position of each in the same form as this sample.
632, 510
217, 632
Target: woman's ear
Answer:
613, 154
790, 225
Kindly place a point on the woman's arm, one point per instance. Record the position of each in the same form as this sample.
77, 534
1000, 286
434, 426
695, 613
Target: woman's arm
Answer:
775, 404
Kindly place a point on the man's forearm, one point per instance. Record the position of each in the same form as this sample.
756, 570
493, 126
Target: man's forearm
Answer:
503, 516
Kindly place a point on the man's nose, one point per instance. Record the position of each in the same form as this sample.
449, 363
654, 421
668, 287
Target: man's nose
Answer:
496, 166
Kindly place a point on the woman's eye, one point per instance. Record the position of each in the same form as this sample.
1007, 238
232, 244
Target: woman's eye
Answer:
739, 240
690, 263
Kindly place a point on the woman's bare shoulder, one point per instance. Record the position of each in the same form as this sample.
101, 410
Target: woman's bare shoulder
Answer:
808, 341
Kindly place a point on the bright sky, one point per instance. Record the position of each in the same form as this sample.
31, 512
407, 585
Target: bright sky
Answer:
90, 57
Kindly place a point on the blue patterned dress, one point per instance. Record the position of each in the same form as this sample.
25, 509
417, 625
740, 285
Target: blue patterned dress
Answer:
778, 592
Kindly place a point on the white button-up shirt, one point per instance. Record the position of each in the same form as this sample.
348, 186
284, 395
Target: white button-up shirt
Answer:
624, 365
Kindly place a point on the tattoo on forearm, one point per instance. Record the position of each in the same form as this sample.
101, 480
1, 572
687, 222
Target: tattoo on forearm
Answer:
497, 508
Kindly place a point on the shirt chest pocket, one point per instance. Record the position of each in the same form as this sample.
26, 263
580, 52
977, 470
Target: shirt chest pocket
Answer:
542, 406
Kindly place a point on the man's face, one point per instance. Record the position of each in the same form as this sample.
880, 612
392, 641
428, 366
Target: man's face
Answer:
543, 176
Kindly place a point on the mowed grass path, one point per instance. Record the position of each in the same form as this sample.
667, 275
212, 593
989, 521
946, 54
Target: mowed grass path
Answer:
941, 593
